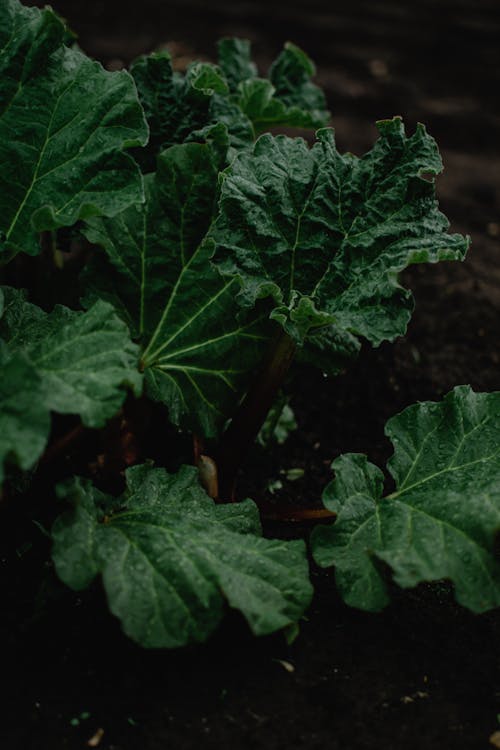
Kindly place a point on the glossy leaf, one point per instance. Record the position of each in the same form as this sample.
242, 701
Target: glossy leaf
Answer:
326, 235
64, 123
443, 517
169, 558
83, 360
198, 350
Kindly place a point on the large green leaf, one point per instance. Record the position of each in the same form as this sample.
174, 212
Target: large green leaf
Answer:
24, 418
83, 360
63, 124
198, 350
326, 235
169, 557
442, 519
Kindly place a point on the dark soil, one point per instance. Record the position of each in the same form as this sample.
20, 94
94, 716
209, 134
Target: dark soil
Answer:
423, 675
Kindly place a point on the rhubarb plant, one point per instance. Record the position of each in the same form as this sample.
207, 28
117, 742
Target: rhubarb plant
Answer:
324, 236
169, 557
181, 108
198, 347
211, 255
440, 521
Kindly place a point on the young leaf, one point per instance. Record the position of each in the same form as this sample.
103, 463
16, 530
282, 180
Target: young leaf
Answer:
291, 75
288, 98
257, 100
83, 359
198, 350
326, 235
442, 520
177, 106
169, 557
280, 422
63, 124
181, 108
235, 61
24, 419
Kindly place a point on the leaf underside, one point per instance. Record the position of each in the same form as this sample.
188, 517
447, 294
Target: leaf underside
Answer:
64, 123
442, 519
198, 350
169, 559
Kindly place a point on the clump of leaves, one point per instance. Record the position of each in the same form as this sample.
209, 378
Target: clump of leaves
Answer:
215, 255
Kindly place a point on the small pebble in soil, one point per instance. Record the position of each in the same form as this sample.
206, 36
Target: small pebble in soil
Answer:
287, 666
495, 739
378, 68
96, 738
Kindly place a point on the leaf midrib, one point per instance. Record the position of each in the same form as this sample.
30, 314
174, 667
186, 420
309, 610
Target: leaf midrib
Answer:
412, 509
450, 467
149, 358
441, 523
131, 543
34, 179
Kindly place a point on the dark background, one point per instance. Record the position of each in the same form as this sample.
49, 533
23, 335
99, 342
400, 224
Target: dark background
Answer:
424, 674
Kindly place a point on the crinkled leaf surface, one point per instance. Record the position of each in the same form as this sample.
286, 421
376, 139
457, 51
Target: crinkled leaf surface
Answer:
235, 61
326, 234
442, 520
63, 124
198, 350
24, 418
291, 75
169, 558
180, 107
287, 98
83, 360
